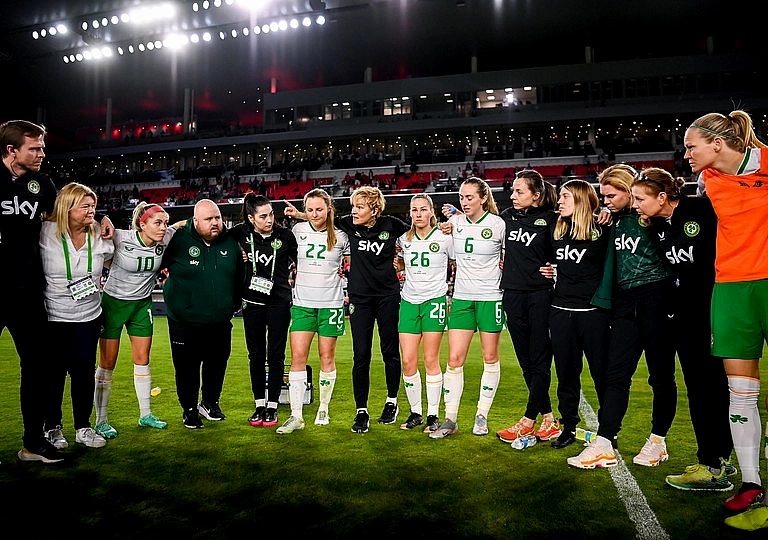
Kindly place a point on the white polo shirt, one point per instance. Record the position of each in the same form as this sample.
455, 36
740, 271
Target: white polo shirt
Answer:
59, 303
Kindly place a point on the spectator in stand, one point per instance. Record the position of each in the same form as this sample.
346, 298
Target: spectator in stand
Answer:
127, 302
528, 297
73, 251
478, 240
424, 254
686, 227
271, 252
318, 305
733, 164
204, 262
374, 297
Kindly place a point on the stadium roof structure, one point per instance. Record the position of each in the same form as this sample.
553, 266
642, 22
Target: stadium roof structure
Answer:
377, 40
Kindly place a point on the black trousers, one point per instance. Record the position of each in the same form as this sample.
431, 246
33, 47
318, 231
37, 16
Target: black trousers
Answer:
575, 335
641, 323
200, 355
76, 345
364, 313
705, 379
266, 332
25, 318
528, 325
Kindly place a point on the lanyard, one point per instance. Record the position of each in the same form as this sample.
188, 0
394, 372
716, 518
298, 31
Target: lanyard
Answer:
275, 245
66, 255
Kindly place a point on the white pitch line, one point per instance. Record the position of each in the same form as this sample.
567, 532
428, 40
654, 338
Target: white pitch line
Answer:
646, 523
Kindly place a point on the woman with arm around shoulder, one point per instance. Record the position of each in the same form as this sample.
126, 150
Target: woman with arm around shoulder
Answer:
578, 328
318, 305
642, 306
425, 253
127, 302
478, 240
686, 227
528, 297
73, 254
374, 297
271, 251
733, 164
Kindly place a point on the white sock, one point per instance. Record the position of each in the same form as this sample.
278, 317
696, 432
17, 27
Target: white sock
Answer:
261, 403
101, 393
434, 393
412, 385
142, 382
453, 384
327, 382
489, 382
297, 387
746, 425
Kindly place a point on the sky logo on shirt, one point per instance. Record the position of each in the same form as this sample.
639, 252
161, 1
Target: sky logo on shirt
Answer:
520, 235
679, 256
17, 208
568, 253
626, 243
369, 245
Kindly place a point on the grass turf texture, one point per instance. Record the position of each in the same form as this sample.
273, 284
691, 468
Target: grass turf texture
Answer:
230, 480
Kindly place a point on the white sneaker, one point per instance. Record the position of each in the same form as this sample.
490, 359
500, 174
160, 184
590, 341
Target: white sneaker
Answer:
322, 418
89, 438
291, 425
593, 456
481, 425
652, 454
56, 438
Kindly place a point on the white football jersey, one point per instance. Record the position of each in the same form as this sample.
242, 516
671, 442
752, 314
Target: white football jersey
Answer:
478, 248
426, 265
318, 284
134, 265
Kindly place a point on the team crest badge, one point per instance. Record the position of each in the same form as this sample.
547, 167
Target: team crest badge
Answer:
351, 308
691, 228
277, 244
383, 235
194, 251
487, 233
594, 235
434, 247
33, 186
159, 250
540, 222
641, 222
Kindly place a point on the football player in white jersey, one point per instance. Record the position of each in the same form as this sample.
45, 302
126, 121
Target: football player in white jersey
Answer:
127, 302
424, 254
478, 240
318, 305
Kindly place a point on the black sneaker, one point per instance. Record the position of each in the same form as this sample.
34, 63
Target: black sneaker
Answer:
270, 417
414, 419
389, 414
433, 423
211, 411
566, 438
257, 418
192, 419
362, 422
45, 452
